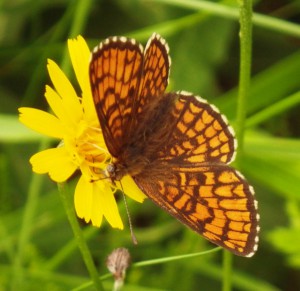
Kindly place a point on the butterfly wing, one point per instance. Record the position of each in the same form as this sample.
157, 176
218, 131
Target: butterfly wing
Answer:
155, 71
215, 201
115, 73
189, 177
123, 79
190, 131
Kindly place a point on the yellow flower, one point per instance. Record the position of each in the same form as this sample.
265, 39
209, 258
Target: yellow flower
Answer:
81, 145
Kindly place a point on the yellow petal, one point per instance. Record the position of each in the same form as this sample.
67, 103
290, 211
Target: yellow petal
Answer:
96, 208
83, 199
106, 201
66, 91
132, 190
80, 57
89, 109
41, 121
56, 162
58, 107
95, 199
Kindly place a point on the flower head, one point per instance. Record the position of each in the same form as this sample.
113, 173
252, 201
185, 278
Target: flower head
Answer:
74, 122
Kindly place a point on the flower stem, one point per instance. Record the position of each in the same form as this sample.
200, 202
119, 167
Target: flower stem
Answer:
86, 255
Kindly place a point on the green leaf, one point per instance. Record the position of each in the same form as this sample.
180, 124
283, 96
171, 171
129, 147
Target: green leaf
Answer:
13, 131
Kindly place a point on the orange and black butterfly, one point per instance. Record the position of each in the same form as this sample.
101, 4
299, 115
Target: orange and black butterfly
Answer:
175, 146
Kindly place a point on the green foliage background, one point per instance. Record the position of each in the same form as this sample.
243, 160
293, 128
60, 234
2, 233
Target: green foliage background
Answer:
35, 237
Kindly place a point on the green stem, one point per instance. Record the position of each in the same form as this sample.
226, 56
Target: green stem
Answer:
67, 200
26, 226
245, 69
243, 92
82, 10
227, 271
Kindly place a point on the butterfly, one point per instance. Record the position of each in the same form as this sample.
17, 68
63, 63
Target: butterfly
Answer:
176, 146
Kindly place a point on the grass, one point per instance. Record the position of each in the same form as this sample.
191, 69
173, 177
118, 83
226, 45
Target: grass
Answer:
37, 246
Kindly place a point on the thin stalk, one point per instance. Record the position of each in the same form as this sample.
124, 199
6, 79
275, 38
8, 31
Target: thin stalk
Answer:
67, 200
243, 93
79, 22
227, 271
245, 69
26, 227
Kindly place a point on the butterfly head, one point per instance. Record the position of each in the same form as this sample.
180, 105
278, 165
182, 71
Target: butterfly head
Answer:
115, 173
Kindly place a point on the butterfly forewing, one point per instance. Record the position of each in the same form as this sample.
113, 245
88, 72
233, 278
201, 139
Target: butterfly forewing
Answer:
155, 71
115, 74
200, 134
153, 83
123, 81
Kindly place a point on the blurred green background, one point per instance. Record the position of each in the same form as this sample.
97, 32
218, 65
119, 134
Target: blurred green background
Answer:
204, 47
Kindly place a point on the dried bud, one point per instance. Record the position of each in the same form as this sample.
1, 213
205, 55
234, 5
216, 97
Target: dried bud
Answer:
117, 263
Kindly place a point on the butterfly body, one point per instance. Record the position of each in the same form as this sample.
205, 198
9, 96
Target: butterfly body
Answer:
151, 133
175, 146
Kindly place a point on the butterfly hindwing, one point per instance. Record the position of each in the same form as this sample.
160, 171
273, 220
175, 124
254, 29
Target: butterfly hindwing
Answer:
215, 201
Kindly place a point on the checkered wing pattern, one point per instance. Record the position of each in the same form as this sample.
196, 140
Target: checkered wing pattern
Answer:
123, 81
215, 201
189, 176
176, 146
200, 134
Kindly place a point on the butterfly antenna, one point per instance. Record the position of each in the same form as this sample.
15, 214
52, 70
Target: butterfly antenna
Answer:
133, 237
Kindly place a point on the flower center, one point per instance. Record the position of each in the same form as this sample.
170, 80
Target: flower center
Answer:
88, 150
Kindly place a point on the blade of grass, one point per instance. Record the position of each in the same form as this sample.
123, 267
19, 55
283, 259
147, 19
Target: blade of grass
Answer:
12, 131
272, 148
240, 280
273, 110
53, 35
175, 258
155, 262
26, 227
282, 178
266, 87
230, 12
66, 251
